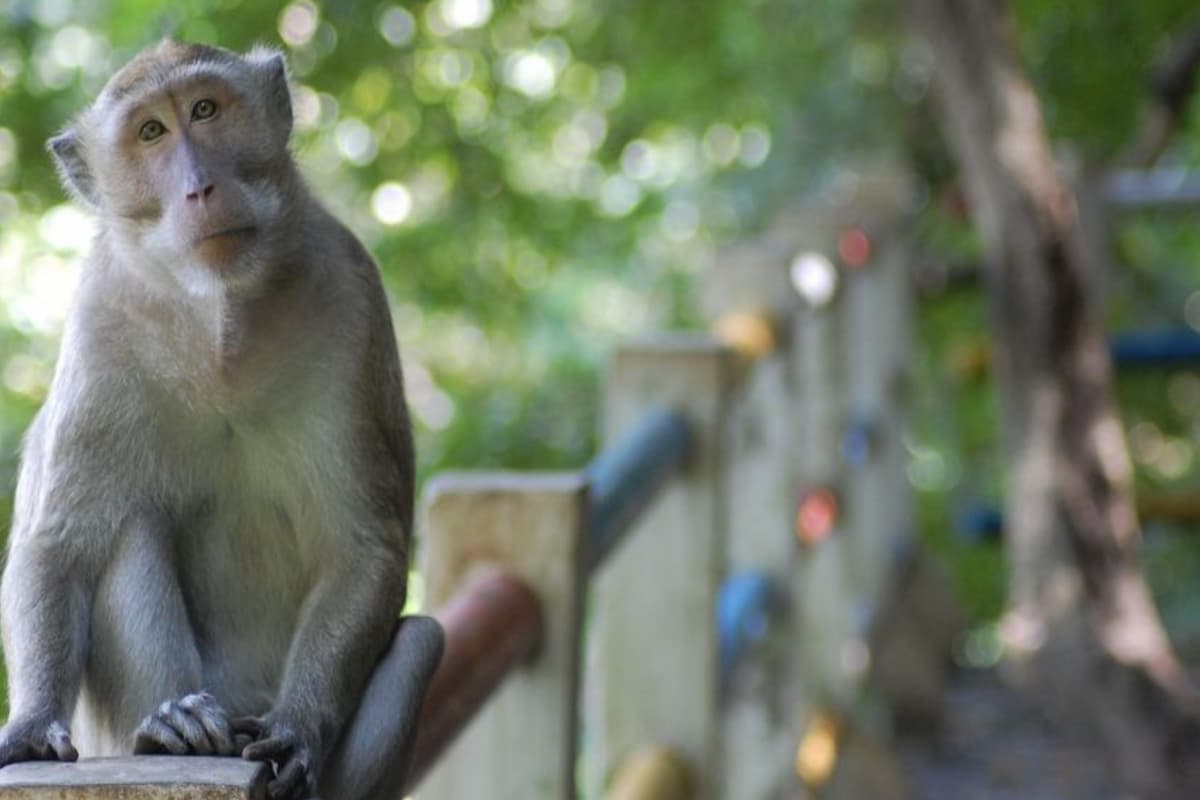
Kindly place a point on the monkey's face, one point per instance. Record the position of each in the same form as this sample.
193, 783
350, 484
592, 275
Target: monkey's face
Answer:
187, 162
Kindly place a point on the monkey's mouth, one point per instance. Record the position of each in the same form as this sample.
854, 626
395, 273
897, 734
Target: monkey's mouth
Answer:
220, 248
236, 232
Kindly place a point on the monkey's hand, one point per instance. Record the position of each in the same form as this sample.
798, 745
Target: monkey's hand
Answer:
194, 725
289, 747
36, 739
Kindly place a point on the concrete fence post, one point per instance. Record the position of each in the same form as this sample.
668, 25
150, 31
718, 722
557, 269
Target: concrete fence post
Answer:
523, 744
652, 653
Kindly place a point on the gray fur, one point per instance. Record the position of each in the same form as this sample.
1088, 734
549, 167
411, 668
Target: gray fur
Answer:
214, 508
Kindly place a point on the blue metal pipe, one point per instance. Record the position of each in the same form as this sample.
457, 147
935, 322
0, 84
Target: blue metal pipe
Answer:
1156, 348
746, 605
625, 478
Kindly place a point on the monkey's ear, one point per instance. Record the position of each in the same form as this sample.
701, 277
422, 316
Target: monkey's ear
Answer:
73, 169
272, 66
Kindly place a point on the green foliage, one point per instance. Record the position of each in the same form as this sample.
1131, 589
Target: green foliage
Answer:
540, 178
537, 179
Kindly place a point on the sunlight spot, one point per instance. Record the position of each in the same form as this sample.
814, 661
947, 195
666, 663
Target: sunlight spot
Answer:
43, 306
552, 13
1146, 441
53, 13
619, 196
432, 406
572, 146
11, 66
471, 109
370, 92
397, 26
680, 220
721, 144
1174, 459
531, 73
814, 277
610, 86
1191, 311
466, 14
616, 309
1183, 391
755, 146
74, 47
306, 107
355, 141
8, 149
980, 648
639, 160
67, 229
391, 203
27, 376
453, 68
298, 23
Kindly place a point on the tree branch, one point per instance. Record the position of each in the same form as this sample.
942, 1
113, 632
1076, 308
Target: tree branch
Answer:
1172, 83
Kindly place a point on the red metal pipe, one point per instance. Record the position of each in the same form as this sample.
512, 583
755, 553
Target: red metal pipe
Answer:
493, 625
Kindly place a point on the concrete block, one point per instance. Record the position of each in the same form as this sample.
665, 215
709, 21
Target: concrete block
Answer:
136, 778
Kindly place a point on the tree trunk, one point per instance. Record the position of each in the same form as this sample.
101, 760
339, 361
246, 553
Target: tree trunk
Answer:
1081, 626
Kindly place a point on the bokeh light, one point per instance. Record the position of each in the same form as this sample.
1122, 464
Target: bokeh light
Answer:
816, 515
391, 203
854, 247
298, 23
814, 277
397, 26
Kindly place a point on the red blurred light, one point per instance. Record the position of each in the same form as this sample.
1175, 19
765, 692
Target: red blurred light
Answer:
816, 516
854, 247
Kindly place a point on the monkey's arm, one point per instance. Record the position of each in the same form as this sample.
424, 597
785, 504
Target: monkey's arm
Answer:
43, 615
346, 624
44, 619
349, 618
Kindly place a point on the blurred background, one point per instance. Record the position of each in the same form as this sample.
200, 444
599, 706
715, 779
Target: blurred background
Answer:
540, 179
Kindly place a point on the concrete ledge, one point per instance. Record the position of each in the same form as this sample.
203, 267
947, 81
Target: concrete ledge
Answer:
136, 778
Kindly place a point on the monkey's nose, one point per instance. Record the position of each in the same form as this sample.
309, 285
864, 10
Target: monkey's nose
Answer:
201, 193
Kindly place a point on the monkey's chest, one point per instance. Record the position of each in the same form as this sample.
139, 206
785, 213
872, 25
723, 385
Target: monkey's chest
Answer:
265, 522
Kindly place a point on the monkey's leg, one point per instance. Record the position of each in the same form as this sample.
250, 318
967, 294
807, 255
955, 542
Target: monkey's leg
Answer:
372, 757
144, 675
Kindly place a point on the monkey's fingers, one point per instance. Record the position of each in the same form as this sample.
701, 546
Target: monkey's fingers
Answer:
187, 726
273, 748
156, 736
283, 748
59, 739
292, 782
254, 727
203, 708
36, 741
15, 752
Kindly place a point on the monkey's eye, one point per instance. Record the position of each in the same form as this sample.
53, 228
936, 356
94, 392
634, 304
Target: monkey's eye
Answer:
204, 109
151, 130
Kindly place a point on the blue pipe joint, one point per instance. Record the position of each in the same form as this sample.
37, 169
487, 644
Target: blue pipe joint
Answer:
746, 605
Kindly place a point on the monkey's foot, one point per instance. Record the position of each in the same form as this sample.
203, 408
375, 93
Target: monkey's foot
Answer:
193, 725
35, 739
281, 744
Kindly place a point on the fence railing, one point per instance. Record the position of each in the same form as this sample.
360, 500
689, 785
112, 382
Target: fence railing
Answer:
679, 545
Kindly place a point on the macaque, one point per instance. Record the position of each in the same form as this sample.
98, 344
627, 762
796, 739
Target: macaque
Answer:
213, 515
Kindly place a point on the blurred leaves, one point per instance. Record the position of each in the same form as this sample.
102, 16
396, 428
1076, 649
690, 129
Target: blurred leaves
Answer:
537, 178
541, 178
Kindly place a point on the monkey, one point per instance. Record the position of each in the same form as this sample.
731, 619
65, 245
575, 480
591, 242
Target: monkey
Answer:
213, 513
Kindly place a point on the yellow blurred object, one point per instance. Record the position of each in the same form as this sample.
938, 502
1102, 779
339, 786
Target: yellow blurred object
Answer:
654, 773
970, 360
751, 334
817, 754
